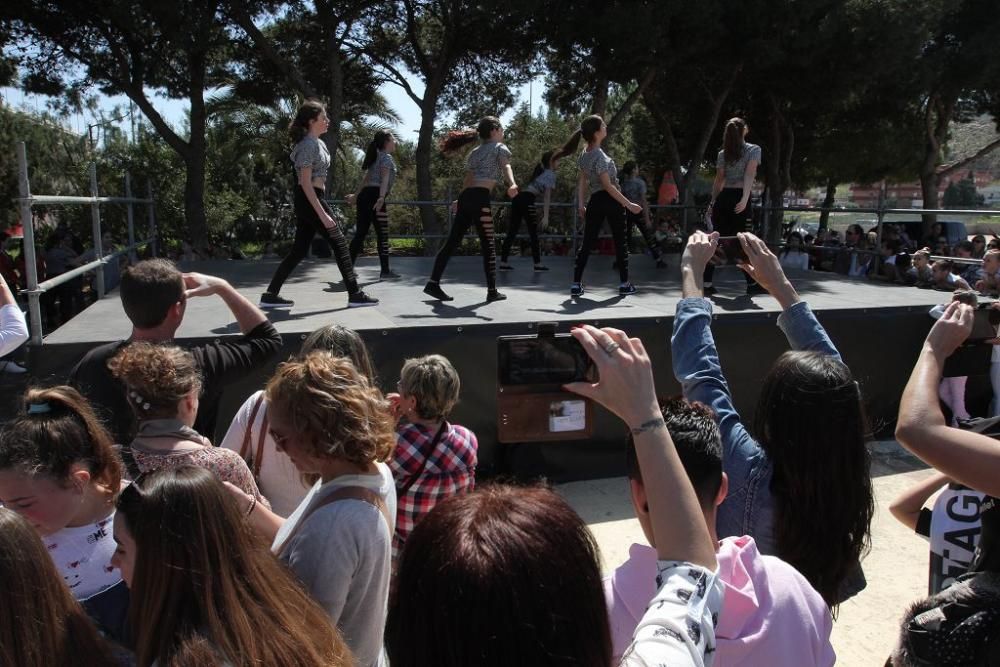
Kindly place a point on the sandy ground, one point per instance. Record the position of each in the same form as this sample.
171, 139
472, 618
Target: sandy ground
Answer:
866, 629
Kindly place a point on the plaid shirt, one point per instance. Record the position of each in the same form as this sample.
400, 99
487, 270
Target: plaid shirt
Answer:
451, 470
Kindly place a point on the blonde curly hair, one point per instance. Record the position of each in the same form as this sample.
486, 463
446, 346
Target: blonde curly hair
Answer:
335, 409
156, 377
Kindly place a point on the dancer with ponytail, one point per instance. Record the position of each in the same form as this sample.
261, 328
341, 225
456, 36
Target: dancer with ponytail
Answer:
380, 174
312, 214
634, 187
599, 181
543, 182
736, 169
484, 167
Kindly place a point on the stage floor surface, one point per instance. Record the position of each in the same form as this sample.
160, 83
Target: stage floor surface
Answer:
320, 297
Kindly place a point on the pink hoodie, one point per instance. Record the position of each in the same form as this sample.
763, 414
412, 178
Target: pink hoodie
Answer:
770, 615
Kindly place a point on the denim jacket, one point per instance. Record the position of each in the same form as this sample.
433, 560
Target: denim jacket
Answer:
749, 507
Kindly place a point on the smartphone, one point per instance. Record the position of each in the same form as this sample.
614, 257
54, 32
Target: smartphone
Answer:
733, 249
542, 360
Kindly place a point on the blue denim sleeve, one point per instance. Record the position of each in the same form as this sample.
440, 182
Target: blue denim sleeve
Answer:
697, 368
804, 332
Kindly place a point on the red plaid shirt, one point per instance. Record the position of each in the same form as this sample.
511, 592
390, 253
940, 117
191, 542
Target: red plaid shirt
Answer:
450, 470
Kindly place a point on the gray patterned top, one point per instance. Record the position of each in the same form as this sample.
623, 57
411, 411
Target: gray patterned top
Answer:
486, 160
311, 152
544, 181
736, 170
595, 162
635, 189
373, 177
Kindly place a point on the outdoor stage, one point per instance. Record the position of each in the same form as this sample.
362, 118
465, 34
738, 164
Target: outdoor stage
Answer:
878, 329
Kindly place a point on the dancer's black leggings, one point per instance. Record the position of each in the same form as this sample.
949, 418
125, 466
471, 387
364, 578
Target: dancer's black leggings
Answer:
601, 207
728, 222
638, 220
307, 225
366, 216
522, 208
473, 209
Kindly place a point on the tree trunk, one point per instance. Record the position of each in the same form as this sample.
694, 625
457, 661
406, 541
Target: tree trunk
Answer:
772, 169
194, 160
622, 113
831, 193
600, 105
422, 156
335, 100
937, 117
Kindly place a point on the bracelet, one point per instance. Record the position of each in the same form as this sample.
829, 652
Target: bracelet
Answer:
650, 425
253, 506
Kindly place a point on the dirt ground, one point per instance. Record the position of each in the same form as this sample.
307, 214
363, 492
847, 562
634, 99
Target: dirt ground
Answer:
866, 628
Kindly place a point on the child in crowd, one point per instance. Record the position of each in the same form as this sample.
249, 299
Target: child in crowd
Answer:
433, 459
205, 590
943, 278
59, 469
920, 273
770, 614
163, 383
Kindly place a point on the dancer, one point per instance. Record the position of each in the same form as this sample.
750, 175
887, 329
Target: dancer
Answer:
599, 180
380, 174
543, 181
312, 214
484, 167
634, 187
736, 168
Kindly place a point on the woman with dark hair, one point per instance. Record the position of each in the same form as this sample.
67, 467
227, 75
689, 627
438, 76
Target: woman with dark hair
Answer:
736, 168
484, 167
634, 187
380, 174
248, 434
522, 207
510, 575
312, 214
599, 180
205, 590
59, 469
793, 256
40, 622
809, 432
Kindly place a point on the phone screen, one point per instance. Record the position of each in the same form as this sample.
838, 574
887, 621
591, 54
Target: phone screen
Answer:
530, 360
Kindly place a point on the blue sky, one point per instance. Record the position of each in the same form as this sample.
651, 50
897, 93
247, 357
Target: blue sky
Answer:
174, 110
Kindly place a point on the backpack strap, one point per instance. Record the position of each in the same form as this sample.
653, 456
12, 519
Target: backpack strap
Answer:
411, 480
344, 493
245, 454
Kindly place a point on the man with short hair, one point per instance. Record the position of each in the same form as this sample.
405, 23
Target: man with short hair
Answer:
154, 295
989, 281
944, 278
770, 614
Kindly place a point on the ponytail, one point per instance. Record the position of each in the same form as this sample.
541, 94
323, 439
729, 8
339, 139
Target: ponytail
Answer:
374, 146
299, 127
588, 128
732, 141
458, 138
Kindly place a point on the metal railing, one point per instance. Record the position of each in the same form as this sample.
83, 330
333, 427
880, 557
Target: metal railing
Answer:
27, 201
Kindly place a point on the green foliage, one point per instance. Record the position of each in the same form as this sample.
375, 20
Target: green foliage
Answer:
962, 194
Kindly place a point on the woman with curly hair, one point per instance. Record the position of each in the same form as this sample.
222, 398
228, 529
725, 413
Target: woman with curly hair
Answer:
162, 384
336, 427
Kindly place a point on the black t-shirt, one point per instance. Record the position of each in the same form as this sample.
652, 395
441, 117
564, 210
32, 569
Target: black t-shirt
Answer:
987, 558
221, 362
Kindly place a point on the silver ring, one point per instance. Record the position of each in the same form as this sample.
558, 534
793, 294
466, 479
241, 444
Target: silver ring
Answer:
610, 348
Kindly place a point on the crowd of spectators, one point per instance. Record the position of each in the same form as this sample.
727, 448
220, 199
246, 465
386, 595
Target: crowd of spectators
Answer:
339, 524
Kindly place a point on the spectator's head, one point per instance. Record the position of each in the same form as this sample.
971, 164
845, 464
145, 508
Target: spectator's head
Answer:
54, 455
152, 293
40, 622
696, 437
811, 423
794, 240
182, 537
809, 239
922, 258
324, 411
978, 245
994, 244
428, 387
941, 247
964, 249
991, 262
854, 235
161, 381
630, 169
941, 270
526, 552
890, 247
342, 342
968, 297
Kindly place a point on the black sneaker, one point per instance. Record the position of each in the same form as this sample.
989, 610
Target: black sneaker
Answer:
541, 267
359, 300
710, 290
389, 275
504, 266
434, 290
626, 289
576, 289
268, 300
755, 289
494, 295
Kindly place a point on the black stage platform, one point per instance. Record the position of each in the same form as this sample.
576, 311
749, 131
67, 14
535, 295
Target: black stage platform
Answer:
878, 329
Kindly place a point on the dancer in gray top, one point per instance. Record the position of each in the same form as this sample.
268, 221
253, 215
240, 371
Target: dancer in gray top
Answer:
380, 174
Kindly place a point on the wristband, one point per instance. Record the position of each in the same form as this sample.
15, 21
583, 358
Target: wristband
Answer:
651, 425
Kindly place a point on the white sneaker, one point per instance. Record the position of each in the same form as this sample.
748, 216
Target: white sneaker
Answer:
12, 367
